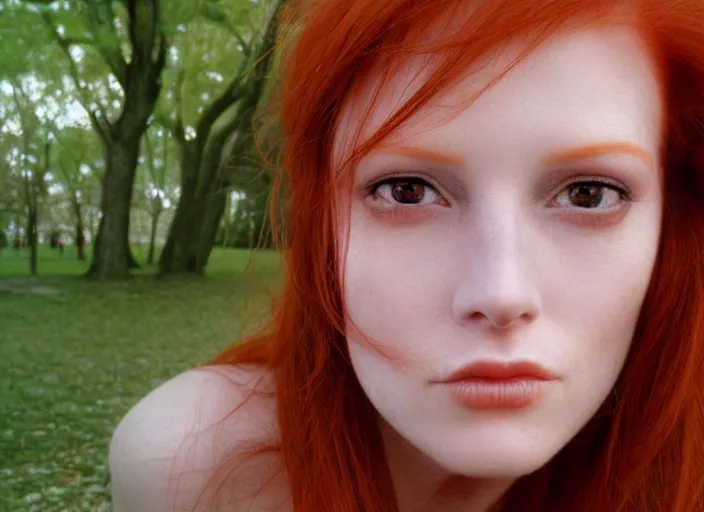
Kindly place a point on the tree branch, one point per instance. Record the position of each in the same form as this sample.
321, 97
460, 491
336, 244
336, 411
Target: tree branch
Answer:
211, 13
67, 177
162, 52
100, 124
232, 93
164, 159
152, 201
101, 14
178, 128
143, 29
77, 40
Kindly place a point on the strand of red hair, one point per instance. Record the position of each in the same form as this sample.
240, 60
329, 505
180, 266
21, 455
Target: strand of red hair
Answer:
644, 451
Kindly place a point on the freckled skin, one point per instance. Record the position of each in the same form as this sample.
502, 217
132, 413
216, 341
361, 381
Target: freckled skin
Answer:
499, 261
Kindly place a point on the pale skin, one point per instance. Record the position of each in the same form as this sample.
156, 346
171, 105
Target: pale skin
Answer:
500, 254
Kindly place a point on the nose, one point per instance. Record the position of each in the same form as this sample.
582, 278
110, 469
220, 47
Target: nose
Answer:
496, 289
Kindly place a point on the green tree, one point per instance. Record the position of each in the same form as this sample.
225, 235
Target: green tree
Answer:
158, 169
75, 159
9, 198
32, 160
126, 42
219, 141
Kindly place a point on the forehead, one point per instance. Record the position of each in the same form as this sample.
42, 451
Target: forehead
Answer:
577, 86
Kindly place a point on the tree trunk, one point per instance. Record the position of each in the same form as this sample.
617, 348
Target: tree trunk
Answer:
91, 224
201, 206
172, 259
215, 209
80, 236
200, 187
33, 241
80, 250
140, 79
179, 254
111, 255
202, 203
152, 235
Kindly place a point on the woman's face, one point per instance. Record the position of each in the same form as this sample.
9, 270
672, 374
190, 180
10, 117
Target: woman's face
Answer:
524, 230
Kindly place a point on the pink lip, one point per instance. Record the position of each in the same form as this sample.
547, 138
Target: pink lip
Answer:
501, 371
490, 385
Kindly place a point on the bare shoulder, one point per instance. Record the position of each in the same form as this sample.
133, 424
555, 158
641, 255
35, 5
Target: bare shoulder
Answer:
190, 441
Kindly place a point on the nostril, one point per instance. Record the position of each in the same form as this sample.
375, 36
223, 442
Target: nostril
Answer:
500, 319
496, 307
476, 316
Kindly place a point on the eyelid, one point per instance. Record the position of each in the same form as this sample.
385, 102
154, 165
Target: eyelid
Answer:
602, 180
373, 188
382, 180
622, 177
447, 181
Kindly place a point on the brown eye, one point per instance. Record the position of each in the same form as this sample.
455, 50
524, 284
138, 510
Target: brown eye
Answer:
591, 195
587, 196
405, 191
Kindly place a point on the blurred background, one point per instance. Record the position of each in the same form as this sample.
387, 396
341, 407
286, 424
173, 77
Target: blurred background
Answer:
132, 194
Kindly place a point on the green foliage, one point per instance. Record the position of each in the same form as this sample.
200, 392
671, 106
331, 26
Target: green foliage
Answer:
79, 168
23, 40
156, 188
247, 224
70, 58
209, 46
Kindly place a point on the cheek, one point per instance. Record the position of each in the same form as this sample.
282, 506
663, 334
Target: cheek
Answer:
397, 285
599, 317
597, 289
592, 301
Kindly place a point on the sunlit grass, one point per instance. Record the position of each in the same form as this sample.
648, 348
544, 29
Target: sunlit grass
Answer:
75, 355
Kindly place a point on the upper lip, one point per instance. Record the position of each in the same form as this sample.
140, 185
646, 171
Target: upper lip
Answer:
498, 370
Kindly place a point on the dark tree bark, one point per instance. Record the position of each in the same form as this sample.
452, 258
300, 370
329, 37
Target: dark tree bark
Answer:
79, 225
173, 259
207, 175
111, 254
91, 225
80, 241
141, 83
33, 188
140, 79
198, 182
210, 223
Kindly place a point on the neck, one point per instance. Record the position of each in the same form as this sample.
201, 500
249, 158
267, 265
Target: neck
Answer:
423, 486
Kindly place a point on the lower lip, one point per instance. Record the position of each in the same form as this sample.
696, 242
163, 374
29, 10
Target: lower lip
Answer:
495, 394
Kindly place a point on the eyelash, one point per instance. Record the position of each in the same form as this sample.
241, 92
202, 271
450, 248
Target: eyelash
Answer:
585, 181
591, 181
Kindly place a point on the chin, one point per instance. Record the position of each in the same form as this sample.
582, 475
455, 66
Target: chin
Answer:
495, 464
494, 455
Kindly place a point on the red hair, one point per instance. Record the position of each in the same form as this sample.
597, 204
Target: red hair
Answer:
644, 450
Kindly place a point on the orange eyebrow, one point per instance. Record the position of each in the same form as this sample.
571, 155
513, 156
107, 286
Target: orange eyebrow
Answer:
438, 157
593, 150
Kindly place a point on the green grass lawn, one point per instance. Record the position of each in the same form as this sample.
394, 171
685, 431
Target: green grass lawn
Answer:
75, 355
